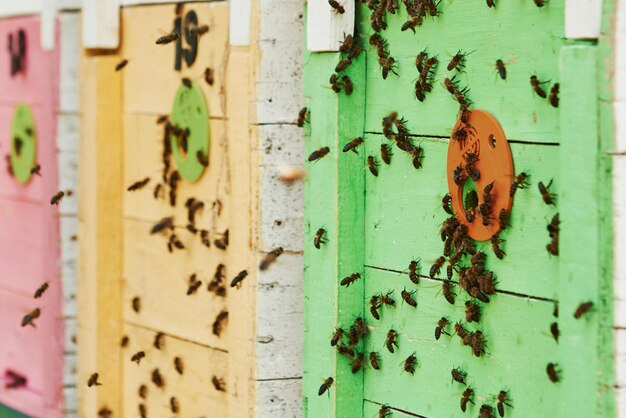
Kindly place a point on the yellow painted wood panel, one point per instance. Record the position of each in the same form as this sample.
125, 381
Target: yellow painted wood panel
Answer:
100, 264
150, 81
193, 390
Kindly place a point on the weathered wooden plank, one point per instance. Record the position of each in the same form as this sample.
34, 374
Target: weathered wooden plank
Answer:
281, 398
587, 343
582, 19
403, 216
192, 389
334, 201
518, 348
149, 91
325, 27
523, 115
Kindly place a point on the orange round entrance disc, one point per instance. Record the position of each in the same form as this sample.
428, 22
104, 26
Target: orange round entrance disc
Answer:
485, 141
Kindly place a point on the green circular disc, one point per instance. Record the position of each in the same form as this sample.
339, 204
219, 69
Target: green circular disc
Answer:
190, 112
23, 143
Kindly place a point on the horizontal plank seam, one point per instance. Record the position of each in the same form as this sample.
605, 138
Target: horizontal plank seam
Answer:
141, 326
447, 138
397, 409
276, 379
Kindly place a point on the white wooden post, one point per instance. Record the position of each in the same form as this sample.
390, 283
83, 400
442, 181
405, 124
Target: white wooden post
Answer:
582, 19
101, 24
239, 25
325, 27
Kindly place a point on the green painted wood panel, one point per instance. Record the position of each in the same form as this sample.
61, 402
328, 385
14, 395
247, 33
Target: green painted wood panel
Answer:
6, 412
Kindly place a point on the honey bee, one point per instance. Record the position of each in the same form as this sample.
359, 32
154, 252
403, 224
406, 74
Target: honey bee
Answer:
179, 365
548, 198
202, 158
121, 64
334, 83
536, 85
159, 339
384, 411
326, 385
447, 287
554, 330
336, 6
337, 336
553, 372
554, 95
385, 153
166, 39
162, 119
222, 243
387, 65
319, 154
540, 3
500, 68
464, 113
237, 281
374, 360
193, 287
345, 351
457, 61
436, 268
440, 328
93, 380
342, 65
124, 341
503, 219
503, 399
136, 304
187, 83
458, 375
417, 154
358, 362
204, 238
486, 411
477, 342
56, 199
407, 297
158, 191
348, 280
29, 318
199, 31
472, 312
582, 309
302, 115
412, 23
361, 327
521, 181
374, 306
414, 268
270, 258
165, 223
347, 85
209, 76
553, 226
174, 407
36, 170
353, 145
157, 379
136, 358
391, 340
218, 324
409, 364
319, 238
386, 299
459, 176
41, 290
142, 411
143, 391
372, 165
105, 412
495, 245
174, 243
138, 185
460, 331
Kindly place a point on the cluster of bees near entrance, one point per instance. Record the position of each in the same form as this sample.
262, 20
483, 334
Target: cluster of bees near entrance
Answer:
460, 252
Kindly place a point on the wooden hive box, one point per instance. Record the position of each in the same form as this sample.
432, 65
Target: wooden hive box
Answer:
40, 119
131, 286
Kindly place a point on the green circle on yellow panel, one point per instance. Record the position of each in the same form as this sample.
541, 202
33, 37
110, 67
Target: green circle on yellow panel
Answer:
23, 143
190, 111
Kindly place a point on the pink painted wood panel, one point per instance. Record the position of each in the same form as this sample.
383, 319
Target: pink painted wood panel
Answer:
29, 234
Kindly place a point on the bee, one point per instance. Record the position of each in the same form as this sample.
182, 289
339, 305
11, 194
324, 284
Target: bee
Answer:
41, 290
456, 61
348, 280
387, 64
124, 341
427, 68
414, 268
440, 328
554, 95
337, 335
375, 305
419, 90
336, 6
56, 199
193, 287
553, 226
466, 397
143, 391
495, 245
326, 385
486, 411
239, 278
385, 153
346, 351
419, 60
409, 364
540, 3
174, 243
138, 185
412, 23
582, 309
14, 380
222, 242
93, 380
374, 360
503, 399
218, 324
458, 375
472, 312
30, 317
121, 64
548, 198
334, 83
342, 65
204, 238
209, 76
521, 181
492, 3
105, 412
302, 115
319, 238
447, 287
270, 258
470, 166
460, 331
387, 300
347, 85
159, 339
174, 405
179, 365
162, 119
187, 83
173, 180
137, 357
319, 154
554, 329
165, 223
553, 372
436, 268
536, 85
503, 219
142, 411
36, 170
464, 113
158, 191
478, 343
358, 363
166, 39
459, 176
136, 304
384, 411
157, 379
417, 154
372, 165
353, 145
500, 68
407, 297
360, 327
391, 340
202, 158
199, 31
218, 383
459, 134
